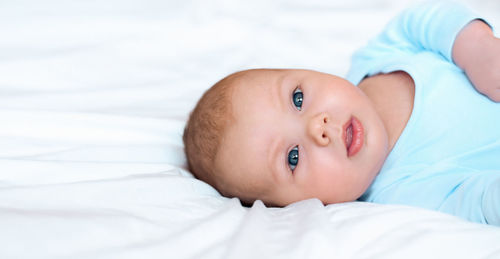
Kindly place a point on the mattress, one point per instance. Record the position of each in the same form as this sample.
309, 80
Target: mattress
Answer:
94, 96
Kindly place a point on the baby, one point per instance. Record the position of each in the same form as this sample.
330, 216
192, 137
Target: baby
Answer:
415, 122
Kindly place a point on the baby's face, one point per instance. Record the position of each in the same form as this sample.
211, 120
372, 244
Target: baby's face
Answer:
302, 134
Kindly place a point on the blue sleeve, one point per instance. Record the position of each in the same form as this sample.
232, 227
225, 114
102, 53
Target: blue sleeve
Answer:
426, 27
491, 203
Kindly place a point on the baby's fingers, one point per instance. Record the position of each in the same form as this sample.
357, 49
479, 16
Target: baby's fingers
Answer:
485, 74
489, 79
493, 94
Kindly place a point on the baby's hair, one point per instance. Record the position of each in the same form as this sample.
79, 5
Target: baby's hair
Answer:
204, 134
205, 129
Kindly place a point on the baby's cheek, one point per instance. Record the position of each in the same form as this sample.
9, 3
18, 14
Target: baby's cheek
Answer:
327, 168
329, 158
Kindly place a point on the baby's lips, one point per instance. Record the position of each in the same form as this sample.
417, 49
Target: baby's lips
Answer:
357, 137
347, 134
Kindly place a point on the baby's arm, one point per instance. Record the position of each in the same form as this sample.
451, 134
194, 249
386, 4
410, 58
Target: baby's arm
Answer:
477, 51
440, 27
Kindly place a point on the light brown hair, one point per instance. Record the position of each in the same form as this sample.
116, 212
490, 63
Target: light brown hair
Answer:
205, 129
204, 134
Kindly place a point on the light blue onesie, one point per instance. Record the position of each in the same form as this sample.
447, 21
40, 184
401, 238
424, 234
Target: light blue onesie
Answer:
448, 156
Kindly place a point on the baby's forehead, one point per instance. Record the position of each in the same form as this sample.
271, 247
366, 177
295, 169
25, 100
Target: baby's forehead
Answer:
244, 157
256, 82
260, 95
258, 75
272, 77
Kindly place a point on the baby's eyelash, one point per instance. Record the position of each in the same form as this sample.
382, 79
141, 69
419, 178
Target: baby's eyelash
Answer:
298, 98
293, 158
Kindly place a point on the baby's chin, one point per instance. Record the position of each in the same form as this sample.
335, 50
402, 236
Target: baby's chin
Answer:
341, 200
324, 200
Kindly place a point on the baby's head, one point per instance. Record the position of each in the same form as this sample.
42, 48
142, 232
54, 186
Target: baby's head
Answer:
285, 135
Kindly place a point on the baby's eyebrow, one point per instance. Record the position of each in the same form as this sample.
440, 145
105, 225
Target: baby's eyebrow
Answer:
277, 93
273, 163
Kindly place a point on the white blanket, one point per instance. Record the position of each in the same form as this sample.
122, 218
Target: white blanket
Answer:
93, 100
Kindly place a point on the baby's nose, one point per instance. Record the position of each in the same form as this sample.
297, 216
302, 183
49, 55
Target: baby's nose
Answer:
317, 128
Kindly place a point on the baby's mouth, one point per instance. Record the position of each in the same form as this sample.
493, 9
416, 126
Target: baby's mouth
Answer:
353, 136
348, 136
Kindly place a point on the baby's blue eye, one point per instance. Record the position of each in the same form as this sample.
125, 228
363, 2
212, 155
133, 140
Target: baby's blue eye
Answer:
298, 97
293, 158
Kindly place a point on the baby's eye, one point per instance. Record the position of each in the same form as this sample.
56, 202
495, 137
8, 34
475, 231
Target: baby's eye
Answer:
293, 158
298, 97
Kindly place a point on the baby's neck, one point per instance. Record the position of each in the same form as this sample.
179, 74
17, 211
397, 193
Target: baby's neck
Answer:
392, 95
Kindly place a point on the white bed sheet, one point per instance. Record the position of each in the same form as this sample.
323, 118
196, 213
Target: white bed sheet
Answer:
93, 100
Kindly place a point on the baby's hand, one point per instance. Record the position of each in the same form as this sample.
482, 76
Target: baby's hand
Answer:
477, 51
485, 73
